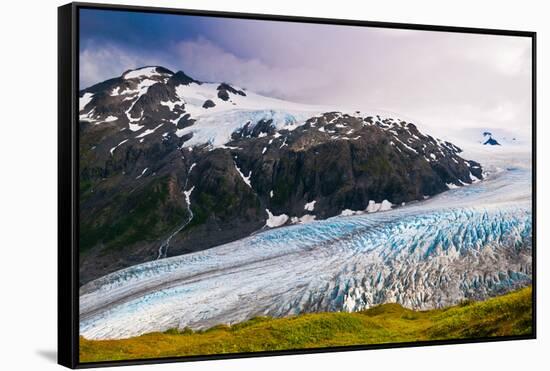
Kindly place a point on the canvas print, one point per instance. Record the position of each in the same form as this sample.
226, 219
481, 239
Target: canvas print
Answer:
252, 185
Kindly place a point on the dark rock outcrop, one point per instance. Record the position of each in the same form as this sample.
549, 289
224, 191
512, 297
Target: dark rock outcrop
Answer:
224, 89
208, 104
492, 142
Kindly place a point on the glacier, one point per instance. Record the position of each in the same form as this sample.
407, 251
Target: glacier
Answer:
471, 242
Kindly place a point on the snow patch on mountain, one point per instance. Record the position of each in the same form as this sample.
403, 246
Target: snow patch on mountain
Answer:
141, 90
310, 206
84, 100
374, 207
246, 179
141, 72
349, 212
171, 105
112, 150
187, 195
274, 221
149, 131
142, 173
307, 218
110, 119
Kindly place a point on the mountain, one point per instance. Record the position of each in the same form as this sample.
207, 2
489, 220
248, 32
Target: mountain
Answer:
171, 165
489, 140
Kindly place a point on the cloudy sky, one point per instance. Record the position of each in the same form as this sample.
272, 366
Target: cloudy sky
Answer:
442, 80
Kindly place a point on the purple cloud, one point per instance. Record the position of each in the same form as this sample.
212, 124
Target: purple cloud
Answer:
444, 80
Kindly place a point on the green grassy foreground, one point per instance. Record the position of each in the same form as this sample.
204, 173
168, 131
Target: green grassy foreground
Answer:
509, 314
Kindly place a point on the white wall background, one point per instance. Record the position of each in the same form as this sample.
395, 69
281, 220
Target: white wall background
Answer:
28, 182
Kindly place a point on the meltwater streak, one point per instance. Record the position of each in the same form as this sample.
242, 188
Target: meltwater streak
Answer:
163, 249
470, 242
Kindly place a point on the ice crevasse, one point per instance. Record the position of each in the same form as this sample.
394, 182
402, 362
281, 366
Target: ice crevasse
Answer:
471, 242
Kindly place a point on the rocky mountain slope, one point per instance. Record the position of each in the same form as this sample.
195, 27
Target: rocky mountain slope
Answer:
170, 165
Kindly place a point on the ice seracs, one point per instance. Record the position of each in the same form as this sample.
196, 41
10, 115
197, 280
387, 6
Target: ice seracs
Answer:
337, 264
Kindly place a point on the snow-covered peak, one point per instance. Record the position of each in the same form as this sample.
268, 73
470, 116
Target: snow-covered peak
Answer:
209, 113
145, 72
489, 140
218, 119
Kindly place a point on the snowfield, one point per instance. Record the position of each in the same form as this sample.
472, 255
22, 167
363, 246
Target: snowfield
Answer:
142, 72
469, 242
216, 124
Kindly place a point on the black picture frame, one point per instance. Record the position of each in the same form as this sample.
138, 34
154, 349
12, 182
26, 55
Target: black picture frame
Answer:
68, 179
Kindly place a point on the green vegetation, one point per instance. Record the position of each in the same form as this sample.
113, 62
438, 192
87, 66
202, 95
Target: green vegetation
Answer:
376, 165
282, 190
221, 203
130, 218
217, 204
85, 188
509, 314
